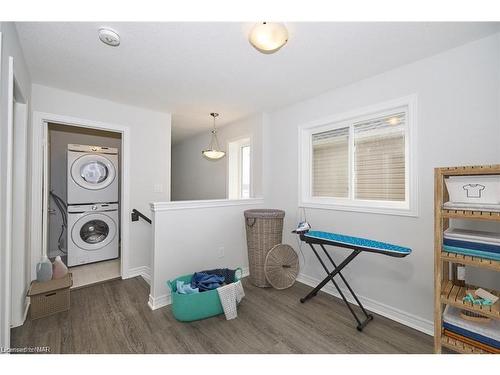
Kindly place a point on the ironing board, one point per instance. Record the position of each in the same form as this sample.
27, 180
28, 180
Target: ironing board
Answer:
357, 245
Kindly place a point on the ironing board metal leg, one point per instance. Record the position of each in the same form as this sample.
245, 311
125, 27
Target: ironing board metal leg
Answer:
330, 278
346, 283
344, 263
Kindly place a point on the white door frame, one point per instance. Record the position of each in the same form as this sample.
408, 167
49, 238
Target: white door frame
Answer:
6, 243
39, 184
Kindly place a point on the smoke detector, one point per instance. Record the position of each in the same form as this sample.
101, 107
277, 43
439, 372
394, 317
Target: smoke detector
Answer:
109, 36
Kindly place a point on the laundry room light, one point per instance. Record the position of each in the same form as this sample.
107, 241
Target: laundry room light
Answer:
214, 152
268, 37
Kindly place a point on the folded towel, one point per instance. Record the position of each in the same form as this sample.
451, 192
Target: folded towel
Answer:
230, 295
472, 253
472, 206
472, 245
479, 236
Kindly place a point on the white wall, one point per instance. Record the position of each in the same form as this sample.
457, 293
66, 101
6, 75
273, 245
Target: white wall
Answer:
195, 177
458, 124
150, 152
59, 138
188, 237
11, 47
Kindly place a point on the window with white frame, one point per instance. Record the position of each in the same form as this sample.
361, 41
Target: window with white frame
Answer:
239, 169
361, 162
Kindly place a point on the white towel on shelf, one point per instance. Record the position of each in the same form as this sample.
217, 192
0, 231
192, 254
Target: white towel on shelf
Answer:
472, 206
230, 295
470, 235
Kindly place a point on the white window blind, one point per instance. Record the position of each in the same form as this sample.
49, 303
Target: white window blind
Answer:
363, 160
379, 158
330, 163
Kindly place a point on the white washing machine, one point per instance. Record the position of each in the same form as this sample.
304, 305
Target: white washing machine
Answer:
92, 174
92, 233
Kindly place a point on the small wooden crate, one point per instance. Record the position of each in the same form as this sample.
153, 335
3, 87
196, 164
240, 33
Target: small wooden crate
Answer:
49, 297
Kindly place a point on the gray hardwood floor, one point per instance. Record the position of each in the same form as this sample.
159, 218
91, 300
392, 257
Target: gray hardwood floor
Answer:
113, 317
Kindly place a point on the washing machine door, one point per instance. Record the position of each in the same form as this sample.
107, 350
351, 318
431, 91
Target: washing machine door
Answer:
93, 171
93, 231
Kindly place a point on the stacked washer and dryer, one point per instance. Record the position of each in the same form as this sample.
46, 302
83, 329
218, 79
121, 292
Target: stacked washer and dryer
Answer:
93, 207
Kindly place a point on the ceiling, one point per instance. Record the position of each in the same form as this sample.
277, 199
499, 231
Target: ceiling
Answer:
192, 69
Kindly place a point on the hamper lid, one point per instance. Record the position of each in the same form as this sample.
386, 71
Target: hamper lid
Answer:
265, 213
50, 286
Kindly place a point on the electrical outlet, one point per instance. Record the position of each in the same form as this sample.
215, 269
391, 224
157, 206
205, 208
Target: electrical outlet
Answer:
221, 252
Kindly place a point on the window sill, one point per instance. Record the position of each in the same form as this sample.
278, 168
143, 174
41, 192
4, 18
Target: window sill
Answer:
359, 208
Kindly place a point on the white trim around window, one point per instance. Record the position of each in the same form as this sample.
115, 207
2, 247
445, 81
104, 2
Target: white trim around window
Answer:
408, 207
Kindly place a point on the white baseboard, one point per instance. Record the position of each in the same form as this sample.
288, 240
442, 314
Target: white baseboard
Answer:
159, 302
164, 299
143, 271
403, 317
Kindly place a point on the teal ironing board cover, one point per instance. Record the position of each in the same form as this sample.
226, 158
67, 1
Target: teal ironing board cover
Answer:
362, 244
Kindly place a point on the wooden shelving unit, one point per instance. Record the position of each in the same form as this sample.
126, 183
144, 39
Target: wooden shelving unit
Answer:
445, 293
459, 346
453, 295
471, 261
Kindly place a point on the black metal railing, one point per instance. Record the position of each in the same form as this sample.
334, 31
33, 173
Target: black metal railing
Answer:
136, 215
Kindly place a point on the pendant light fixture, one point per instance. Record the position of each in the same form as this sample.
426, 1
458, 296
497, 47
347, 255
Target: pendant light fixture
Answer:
214, 152
268, 37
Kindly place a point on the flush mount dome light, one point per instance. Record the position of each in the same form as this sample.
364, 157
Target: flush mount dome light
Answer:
109, 36
214, 152
268, 37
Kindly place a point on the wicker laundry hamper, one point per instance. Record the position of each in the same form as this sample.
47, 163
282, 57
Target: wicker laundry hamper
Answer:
264, 229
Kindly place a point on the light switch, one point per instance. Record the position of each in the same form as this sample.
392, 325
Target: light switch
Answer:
158, 188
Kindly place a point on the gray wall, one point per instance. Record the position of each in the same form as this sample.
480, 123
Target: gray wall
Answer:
194, 177
59, 138
458, 124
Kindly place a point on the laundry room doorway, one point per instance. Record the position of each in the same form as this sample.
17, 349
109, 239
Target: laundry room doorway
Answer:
83, 205
83, 185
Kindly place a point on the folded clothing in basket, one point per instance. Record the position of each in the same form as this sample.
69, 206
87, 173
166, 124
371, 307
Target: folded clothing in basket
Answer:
226, 273
485, 333
204, 281
185, 288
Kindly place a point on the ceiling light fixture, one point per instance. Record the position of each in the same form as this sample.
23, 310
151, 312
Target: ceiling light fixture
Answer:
268, 37
109, 36
214, 152
394, 120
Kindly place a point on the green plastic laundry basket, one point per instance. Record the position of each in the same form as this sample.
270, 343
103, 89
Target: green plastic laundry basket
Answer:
197, 306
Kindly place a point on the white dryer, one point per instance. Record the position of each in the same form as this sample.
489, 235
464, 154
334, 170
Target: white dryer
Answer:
92, 233
92, 174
